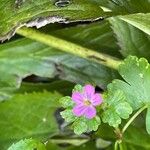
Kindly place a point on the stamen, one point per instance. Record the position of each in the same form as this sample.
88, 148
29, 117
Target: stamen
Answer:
87, 103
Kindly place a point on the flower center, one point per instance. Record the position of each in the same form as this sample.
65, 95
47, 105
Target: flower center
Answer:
87, 103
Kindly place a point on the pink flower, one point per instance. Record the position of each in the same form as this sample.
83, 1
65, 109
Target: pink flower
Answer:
86, 101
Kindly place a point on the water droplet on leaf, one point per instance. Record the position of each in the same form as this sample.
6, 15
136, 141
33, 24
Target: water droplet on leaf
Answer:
44, 119
18, 3
147, 67
141, 75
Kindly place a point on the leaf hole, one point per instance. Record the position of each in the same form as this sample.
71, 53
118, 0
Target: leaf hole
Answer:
62, 3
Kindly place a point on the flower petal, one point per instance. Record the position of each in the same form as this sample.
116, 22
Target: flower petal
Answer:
77, 97
79, 110
90, 112
89, 90
96, 99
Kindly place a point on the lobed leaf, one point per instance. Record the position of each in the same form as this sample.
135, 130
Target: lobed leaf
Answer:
77, 88
136, 73
68, 115
66, 102
116, 108
82, 125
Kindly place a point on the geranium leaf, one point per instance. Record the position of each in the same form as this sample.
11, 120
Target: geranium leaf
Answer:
116, 108
93, 124
68, 115
136, 73
66, 102
77, 88
80, 126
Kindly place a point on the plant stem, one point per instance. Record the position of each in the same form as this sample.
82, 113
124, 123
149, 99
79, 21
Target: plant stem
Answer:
70, 47
132, 118
116, 145
120, 146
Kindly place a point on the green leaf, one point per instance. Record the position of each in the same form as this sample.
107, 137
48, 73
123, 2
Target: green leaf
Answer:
134, 136
46, 62
28, 144
52, 146
66, 102
125, 6
63, 87
68, 115
28, 115
88, 146
93, 124
116, 108
136, 73
140, 21
77, 88
97, 36
40, 13
57, 64
112, 118
73, 141
80, 126
131, 40
148, 121
85, 146
100, 143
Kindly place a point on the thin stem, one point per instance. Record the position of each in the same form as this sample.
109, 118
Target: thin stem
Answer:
118, 133
120, 146
70, 47
133, 118
116, 145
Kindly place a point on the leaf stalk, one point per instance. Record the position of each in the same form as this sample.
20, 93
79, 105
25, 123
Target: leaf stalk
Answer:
133, 118
70, 47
